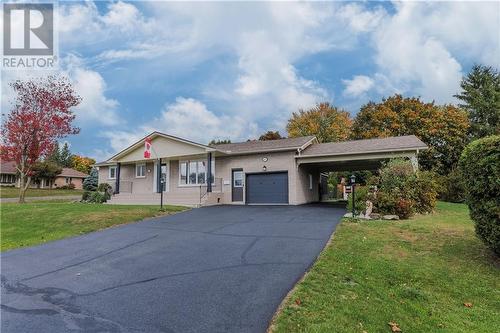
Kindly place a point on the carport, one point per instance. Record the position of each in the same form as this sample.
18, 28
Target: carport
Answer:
358, 155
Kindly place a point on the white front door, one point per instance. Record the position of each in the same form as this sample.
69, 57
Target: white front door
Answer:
165, 175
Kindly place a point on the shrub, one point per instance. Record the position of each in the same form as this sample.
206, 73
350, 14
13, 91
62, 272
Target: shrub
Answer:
452, 187
90, 183
106, 189
97, 197
404, 208
86, 195
480, 167
425, 191
69, 186
360, 197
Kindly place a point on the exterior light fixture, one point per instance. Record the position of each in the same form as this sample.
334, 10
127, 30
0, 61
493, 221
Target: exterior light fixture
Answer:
264, 168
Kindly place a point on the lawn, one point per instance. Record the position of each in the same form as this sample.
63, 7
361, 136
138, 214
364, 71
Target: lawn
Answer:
35, 223
428, 274
13, 192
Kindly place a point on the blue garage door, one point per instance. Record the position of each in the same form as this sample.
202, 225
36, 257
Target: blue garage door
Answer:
267, 188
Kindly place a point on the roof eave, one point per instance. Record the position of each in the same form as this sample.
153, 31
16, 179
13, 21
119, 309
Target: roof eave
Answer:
367, 152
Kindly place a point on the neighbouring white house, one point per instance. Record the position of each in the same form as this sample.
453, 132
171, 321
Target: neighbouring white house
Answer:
285, 171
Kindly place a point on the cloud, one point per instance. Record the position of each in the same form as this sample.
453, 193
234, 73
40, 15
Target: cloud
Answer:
357, 86
190, 119
418, 48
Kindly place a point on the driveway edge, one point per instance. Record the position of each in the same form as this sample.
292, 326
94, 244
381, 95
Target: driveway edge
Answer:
279, 309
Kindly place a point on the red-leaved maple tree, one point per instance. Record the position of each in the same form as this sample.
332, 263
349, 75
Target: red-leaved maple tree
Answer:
41, 114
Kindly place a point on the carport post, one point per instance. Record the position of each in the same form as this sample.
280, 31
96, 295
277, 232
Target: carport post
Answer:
353, 181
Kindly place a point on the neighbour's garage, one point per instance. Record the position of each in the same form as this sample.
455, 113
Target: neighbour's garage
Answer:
267, 188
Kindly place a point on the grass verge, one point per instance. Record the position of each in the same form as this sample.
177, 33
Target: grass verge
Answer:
39, 222
428, 274
13, 192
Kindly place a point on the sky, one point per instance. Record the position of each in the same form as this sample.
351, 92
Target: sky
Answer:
233, 70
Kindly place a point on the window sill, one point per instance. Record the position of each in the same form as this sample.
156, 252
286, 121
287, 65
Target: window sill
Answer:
140, 176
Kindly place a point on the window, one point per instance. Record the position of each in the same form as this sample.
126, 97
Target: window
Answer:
140, 170
46, 182
68, 180
310, 181
194, 172
238, 179
112, 172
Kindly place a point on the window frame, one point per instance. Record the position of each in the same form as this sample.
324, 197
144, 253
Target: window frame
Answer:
235, 178
188, 164
137, 167
109, 171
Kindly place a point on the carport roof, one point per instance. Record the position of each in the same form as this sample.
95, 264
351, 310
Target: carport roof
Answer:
391, 144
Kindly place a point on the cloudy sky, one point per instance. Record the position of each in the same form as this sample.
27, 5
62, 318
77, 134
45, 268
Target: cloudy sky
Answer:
234, 70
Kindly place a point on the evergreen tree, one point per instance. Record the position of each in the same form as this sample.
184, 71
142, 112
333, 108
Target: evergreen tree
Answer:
90, 183
481, 98
65, 156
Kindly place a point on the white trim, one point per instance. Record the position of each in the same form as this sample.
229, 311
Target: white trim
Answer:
155, 176
139, 165
109, 171
179, 184
363, 152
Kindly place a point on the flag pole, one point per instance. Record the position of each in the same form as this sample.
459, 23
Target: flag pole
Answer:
158, 173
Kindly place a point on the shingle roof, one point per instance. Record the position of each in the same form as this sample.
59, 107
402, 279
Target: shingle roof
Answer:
68, 172
365, 146
8, 167
263, 146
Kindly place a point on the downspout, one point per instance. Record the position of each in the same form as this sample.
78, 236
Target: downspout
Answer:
117, 181
209, 172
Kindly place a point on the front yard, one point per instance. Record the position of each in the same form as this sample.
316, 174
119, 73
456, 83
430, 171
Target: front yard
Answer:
428, 274
13, 192
35, 223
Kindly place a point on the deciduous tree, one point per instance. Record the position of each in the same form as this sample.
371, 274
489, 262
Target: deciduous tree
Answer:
325, 121
40, 116
45, 171
442, 127
480, 96
82, 163
270, 135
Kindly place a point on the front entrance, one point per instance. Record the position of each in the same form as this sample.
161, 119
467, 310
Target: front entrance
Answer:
237, 185
164, 176
267, 188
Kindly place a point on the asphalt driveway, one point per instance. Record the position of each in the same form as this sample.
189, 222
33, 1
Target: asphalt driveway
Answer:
213, 269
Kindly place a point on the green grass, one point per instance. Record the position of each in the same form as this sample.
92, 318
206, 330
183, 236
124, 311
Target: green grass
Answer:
416, 273
35, 223
13, 192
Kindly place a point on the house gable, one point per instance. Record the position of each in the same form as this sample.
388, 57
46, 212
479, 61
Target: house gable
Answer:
162, 146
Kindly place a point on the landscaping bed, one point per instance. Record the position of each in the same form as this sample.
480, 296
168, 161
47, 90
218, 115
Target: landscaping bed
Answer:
427, 274
35, 223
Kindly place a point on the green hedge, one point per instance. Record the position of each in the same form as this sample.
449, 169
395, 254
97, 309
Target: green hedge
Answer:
480, 166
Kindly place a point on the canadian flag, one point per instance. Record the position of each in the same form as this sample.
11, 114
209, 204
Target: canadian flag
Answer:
147, 148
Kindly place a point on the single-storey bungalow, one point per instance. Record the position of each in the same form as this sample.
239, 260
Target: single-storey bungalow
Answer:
8, 177
285, 171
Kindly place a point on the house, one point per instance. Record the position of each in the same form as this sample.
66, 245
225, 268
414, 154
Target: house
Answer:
8, 177
8, 173
285, 171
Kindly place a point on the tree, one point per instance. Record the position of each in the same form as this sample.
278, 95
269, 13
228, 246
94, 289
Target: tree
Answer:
480, 168
91, 182
55, 155
270, 135
481, 98
45, 170
443, 128
82, 163
40, 116
218, 142
326, 122
65, 156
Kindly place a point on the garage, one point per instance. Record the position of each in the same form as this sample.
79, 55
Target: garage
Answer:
267, 188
